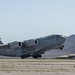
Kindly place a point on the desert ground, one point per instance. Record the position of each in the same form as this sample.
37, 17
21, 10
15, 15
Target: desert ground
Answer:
37, 67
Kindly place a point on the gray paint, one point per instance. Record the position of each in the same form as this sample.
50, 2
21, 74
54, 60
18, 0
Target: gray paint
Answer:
17, 49
69, 48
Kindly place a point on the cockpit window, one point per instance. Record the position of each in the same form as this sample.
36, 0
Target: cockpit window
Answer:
52, 37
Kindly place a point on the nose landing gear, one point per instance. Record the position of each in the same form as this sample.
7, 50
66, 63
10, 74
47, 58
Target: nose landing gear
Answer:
61, 47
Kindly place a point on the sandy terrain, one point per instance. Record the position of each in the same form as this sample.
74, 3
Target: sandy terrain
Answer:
37, 67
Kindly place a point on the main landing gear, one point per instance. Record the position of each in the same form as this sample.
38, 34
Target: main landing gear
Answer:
25, 56
36, 56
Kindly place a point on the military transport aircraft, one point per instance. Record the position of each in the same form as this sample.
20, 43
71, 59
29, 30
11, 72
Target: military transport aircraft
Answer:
33, 47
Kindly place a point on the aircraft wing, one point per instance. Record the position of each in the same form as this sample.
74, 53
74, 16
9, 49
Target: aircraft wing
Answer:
12, 45
4, 46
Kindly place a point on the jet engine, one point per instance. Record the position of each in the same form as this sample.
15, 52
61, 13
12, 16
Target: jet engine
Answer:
15, 44
31, 42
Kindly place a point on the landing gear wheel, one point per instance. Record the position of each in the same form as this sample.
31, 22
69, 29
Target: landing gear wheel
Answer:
39, 56
23, 56
61, 47
36, 56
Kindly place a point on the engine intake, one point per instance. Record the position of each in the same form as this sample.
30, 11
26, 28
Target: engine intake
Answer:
15, 44
31, 42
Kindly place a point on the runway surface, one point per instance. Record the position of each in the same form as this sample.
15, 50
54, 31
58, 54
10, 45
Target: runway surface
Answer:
37, 67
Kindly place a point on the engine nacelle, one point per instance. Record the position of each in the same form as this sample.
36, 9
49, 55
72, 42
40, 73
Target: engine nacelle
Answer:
15, 44
31, 42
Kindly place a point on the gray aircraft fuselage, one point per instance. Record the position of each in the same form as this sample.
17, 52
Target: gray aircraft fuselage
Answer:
32, 47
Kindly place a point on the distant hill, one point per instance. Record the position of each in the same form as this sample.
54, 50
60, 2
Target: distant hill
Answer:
68, 49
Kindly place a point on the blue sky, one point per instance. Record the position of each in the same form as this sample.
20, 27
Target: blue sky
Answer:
26, 19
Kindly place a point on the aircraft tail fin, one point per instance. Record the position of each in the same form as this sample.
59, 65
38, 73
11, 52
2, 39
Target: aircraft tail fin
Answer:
1, 41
